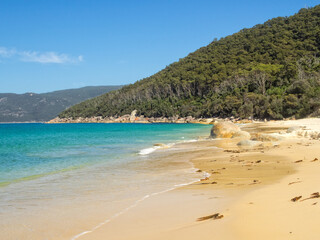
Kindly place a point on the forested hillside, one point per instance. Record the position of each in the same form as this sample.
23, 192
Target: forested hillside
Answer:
44, 106
269, 71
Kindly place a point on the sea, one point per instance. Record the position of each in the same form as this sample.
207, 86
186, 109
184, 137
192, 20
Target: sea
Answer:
62, 181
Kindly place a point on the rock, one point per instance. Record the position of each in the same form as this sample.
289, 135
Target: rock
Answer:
314, 135
159, 145
232, 151
189, 119
267, 144
203, 121
133, 115
267, 137
248, 143
181, 120
242, 134
224, 130
204, 179
293, 129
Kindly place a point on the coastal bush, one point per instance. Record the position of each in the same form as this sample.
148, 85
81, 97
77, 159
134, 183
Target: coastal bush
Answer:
269, 71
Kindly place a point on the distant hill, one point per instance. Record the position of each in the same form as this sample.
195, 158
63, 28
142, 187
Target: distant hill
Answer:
33, 107
271, 70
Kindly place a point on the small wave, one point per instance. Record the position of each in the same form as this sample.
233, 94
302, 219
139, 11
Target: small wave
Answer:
147, 151
190, 141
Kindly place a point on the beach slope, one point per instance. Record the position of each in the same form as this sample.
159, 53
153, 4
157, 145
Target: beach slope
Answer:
268, 189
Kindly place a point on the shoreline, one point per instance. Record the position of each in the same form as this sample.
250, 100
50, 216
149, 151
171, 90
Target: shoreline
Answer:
246, 186
250, 187
156, 147
94, 207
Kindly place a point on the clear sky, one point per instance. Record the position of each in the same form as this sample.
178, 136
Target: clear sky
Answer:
59, 44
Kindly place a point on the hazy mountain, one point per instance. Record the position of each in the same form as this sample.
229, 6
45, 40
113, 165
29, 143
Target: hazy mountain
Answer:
44, 106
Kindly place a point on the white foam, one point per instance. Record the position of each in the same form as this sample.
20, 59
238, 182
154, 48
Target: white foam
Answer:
190, 141
147, 151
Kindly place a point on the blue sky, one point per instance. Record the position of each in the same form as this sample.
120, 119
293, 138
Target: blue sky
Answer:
60, 44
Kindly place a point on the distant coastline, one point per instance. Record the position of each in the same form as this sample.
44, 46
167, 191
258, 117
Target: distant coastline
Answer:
19, 122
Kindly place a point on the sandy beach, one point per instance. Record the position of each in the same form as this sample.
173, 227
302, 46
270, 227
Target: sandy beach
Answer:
265, 191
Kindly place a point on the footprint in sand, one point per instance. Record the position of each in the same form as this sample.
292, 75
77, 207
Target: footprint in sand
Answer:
298, 161
312, 196
294, 182
296, 198
213, 217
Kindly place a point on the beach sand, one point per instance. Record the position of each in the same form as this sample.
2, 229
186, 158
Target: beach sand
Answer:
251, 188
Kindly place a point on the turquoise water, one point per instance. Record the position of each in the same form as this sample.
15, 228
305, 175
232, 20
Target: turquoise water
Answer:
32, 150
60, 180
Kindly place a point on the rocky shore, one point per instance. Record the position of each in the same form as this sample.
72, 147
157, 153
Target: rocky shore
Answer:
133, 118
126, 119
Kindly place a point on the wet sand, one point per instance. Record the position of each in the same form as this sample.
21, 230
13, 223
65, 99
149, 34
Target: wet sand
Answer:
254, 190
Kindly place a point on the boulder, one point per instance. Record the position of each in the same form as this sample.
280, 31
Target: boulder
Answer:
242, 134
224, 130
161, 145
133, 115
267, 137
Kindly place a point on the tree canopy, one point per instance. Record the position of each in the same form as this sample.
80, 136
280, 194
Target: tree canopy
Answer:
269, 71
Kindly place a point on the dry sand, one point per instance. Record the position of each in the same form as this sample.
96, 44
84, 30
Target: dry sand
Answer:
251, 187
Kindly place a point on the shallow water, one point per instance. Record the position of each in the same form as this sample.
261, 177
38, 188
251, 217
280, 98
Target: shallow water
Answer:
60, 180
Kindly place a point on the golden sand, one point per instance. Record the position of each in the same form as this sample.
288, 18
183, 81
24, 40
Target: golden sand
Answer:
264, 192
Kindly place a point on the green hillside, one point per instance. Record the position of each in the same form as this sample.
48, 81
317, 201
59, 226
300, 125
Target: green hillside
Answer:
43, 107
269, 71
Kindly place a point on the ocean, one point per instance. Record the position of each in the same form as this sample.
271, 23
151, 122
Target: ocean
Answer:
60, 181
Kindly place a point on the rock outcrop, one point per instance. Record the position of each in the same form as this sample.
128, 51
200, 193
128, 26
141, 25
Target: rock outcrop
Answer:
134, 118
133, 115
224, 130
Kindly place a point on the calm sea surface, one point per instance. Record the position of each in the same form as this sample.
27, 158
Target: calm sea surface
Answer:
50, 171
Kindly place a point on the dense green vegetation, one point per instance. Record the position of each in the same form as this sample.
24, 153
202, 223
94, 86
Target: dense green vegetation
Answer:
269, 71
45, 106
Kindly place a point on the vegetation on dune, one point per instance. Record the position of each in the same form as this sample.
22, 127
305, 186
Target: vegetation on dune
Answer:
269, 71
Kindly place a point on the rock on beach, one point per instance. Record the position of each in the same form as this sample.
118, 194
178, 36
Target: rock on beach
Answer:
224, 130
